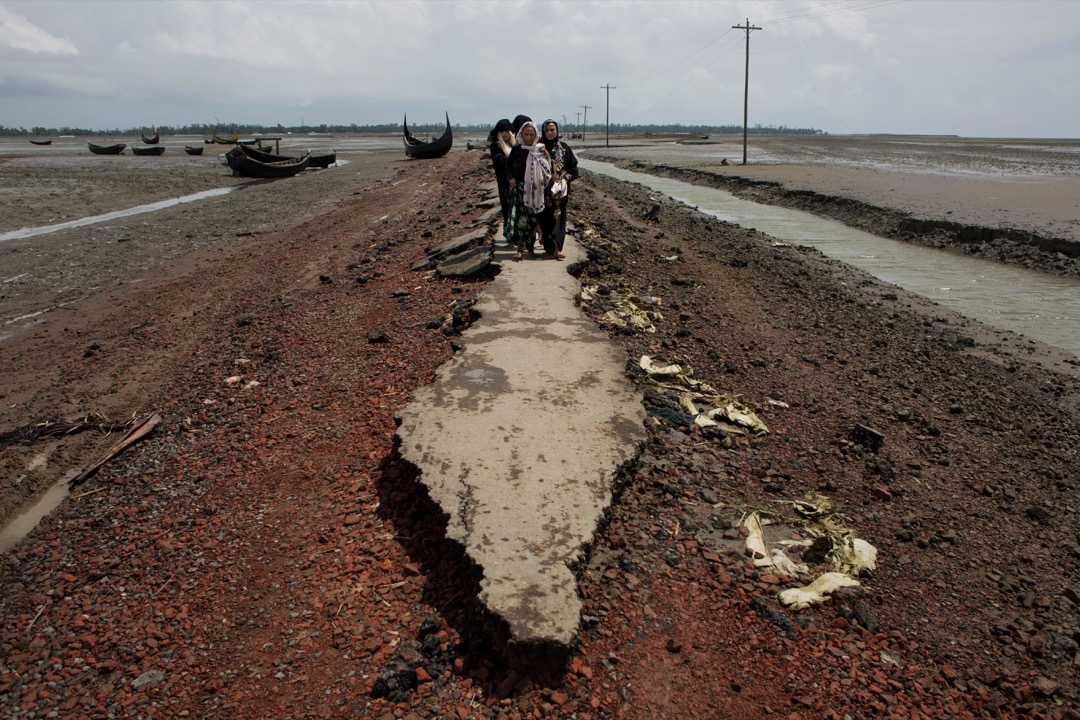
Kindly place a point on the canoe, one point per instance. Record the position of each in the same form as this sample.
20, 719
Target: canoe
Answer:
193, 149
156, 150
152, 140
41, 142
107, 149
437, 148
246, 166
323, 160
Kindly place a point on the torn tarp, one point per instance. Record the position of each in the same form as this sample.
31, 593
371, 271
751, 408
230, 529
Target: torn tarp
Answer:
846, 555
630, 311
701, 401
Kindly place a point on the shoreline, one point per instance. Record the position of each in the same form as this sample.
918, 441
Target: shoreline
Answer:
1031, 222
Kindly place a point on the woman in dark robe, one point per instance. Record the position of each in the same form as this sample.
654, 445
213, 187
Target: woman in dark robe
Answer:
564, 169
501, 141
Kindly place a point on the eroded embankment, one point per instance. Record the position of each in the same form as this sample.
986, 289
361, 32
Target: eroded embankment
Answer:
1008, 245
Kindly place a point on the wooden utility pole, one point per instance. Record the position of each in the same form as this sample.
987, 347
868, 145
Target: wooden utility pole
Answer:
579, 122
607, 115
584, 121
746, 82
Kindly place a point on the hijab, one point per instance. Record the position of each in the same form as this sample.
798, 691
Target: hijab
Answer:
537, 169
519, 121
555, 149
495, 136
549, 144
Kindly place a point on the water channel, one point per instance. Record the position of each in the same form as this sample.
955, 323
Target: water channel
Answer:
137, 210
1039, 306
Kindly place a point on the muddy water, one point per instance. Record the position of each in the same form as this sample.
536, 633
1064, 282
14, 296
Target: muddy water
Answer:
138, 210
1039, 306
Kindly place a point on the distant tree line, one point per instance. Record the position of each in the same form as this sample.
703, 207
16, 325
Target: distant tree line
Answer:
394, 128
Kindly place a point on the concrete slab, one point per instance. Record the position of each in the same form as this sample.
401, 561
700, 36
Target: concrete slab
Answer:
519, 440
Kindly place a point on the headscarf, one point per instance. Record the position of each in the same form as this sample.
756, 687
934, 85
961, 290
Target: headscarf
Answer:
557, 155
537, 170
518, 122
549, 144
495, 136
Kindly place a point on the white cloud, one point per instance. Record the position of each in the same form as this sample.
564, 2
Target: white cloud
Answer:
19, 33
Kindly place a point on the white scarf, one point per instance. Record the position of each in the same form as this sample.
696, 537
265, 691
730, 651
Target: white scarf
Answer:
537, 173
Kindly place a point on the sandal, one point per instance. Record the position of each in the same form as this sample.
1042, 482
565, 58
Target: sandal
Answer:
517, 256
559, 256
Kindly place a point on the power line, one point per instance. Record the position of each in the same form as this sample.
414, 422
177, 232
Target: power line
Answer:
825, 11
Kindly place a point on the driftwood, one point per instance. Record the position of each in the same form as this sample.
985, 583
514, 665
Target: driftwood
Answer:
139, 428
27, 434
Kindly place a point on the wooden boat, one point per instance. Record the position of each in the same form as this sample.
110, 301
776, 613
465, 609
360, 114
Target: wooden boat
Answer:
152, 140
41, 142
242, 164
323, 160
437, 148
193, 149
155, 150
231, 140
107, 149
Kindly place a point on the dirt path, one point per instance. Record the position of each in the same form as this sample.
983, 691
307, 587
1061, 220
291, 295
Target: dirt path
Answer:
265, 554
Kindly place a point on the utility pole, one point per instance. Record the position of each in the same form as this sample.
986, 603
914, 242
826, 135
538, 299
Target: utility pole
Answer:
584, 122
607, 116
746, 82
579, 122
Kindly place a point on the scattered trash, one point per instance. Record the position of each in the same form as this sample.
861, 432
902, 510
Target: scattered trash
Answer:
232, 380
701, 401
832, 542
630, 311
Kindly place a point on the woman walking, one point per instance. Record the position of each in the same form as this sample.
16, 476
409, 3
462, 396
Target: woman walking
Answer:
530, 172
500, 142
564, 169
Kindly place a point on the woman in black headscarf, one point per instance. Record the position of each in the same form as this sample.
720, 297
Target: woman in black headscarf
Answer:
501, 141
564, 169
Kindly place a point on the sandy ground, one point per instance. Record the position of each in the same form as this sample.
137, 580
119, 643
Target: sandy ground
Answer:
264, 553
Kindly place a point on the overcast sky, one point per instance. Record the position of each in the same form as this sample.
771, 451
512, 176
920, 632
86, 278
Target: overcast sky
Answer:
980, 68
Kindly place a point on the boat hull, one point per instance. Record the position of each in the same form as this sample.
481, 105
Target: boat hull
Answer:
428, 150
107, 149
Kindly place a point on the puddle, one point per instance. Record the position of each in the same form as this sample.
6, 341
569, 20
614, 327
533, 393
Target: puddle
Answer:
138, 210
20, 526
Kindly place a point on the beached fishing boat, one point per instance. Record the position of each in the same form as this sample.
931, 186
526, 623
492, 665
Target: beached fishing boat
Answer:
193, 149
247, 166
322, 160
41, 142
152, 140
155, 150
231, 140
107, 149
437, 148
